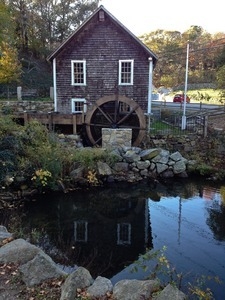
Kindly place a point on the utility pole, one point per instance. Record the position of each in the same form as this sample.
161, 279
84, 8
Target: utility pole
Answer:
150, 91
184, 118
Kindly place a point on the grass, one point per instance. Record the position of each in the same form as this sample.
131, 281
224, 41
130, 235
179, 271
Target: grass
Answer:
163, 128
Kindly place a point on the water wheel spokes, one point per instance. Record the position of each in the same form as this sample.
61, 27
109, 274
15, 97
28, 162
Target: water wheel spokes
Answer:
115, 112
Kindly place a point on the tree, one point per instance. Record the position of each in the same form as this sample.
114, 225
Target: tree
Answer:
10, 68
42, 24
168, 46
220, 76
6, 24
205, 55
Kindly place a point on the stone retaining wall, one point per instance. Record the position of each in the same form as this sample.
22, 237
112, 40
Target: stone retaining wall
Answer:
192, 144
21, 106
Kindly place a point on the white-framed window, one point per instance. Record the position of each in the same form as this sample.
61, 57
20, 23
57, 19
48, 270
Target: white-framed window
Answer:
78, 105
126, 72
80, 231
78, 72
123, 234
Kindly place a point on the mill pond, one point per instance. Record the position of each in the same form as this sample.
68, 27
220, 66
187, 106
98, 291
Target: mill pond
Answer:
107, 229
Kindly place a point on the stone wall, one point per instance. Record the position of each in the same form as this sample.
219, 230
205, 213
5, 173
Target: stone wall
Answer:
21, 106
192, 144
115, 138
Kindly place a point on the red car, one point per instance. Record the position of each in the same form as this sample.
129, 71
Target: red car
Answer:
180, 98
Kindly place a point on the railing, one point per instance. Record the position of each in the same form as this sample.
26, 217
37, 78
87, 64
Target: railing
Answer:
165, 124
167, 119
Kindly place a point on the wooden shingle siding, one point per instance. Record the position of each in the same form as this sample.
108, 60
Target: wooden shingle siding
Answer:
101, 44
102, 48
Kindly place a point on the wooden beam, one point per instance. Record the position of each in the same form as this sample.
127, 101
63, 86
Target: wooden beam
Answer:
74, 124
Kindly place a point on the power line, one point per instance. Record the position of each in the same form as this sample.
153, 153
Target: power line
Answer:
182, 52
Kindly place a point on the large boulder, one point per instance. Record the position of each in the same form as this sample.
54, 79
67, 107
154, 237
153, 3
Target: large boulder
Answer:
135, 289
39, 269
170, 292
100, 287
80, 278
18, 251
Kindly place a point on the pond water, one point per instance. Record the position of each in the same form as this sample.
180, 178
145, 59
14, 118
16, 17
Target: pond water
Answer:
107, 229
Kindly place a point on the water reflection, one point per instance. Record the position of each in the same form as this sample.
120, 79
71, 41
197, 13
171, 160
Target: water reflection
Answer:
102, 230
105, 230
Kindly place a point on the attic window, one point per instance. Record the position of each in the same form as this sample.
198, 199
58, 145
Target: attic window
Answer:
101, 16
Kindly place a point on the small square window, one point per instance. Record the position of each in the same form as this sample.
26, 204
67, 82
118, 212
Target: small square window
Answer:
79, 105
126, 72
78, 69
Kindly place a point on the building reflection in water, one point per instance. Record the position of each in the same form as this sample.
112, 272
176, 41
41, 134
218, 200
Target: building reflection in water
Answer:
110, 236
107, 229
102, 230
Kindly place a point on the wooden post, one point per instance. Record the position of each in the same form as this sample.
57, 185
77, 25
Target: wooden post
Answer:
74, 124
51, 93
25, 117
19, 93
50, 123
205, 128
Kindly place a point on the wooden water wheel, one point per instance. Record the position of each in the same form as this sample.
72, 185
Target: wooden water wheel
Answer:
115, 112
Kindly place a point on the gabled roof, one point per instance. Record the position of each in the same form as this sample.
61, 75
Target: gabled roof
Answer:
113, 19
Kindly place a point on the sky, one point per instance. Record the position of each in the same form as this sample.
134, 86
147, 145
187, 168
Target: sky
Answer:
144, 16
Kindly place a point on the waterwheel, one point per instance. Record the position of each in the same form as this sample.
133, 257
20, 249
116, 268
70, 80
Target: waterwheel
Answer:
115, 112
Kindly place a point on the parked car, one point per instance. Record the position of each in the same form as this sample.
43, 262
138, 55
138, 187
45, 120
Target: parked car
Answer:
180, 98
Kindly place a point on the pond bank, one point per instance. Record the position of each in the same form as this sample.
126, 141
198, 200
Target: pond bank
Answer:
131, 164
33, 267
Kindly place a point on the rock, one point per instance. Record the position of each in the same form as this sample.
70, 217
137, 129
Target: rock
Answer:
121, 167
131, 156
149, 153
77, 173
74, 137
80, 278
182, 175
135, 289
167, 174
117, 154
100, 287
4, 234
103, 169
141, 165
179, 167
171, 292
37, 267
176, 156
161, 167
40, 268
18, 251
144, 173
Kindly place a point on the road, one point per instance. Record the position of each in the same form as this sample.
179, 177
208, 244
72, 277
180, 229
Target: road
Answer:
189, 106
